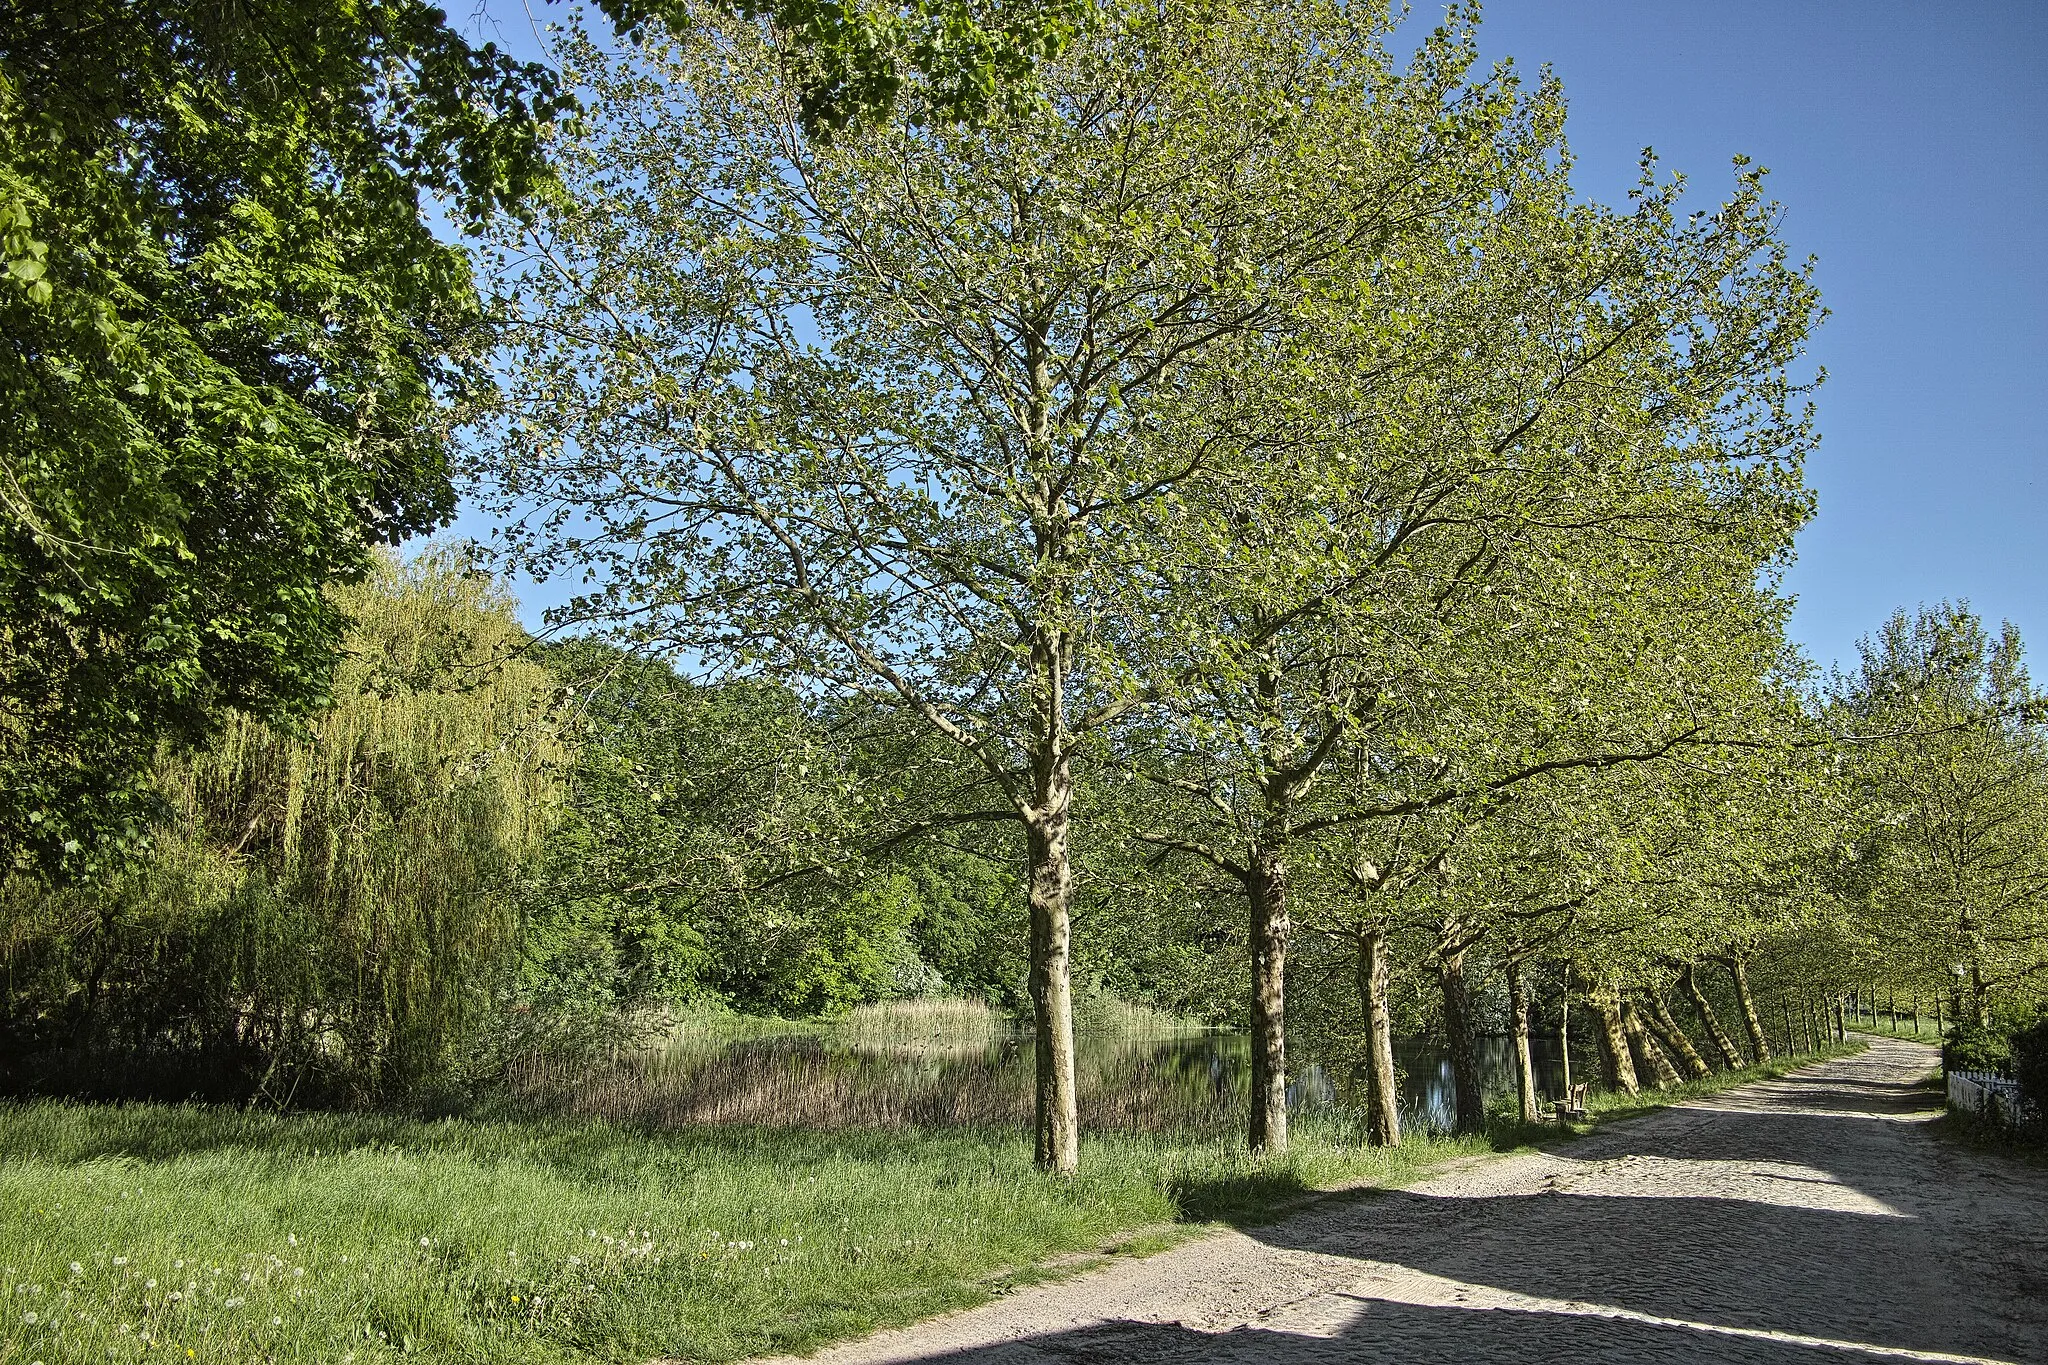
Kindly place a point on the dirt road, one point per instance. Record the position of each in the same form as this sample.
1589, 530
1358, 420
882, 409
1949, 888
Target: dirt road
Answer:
1803, 1219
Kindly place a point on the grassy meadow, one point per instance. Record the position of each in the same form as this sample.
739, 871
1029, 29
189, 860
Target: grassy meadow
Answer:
153, 1232
156, 1232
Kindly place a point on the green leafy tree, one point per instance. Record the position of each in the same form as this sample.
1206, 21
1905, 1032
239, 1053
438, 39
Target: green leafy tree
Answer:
1538, 528
230, 338
904, 416
956, 59
331, 909
1950, 869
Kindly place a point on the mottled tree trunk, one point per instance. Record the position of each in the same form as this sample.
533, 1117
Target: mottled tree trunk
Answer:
1657, 1015
1458, 1038
1738, 972
1058, 1144
1648, 1056
1614, 1056
1382, 1094
1266, 886
1525, 1069
1731, 1056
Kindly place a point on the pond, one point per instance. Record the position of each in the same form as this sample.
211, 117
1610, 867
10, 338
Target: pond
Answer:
938, 1068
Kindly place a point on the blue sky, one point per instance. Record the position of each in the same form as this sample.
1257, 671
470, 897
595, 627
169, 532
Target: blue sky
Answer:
1909, 145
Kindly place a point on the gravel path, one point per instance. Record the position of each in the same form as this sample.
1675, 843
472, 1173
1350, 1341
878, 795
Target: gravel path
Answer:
1802, 1219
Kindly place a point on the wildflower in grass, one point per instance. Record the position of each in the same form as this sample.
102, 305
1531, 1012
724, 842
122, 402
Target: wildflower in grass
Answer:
120, 1260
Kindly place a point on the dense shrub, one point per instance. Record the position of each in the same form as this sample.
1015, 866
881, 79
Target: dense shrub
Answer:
2030, 1063
1971, 1047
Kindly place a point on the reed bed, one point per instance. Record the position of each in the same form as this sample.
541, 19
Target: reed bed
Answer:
855, 1081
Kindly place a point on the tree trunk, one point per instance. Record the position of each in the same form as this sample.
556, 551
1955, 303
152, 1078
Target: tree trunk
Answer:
1058, 1145
1382, 1094
1621, 1069
1470, 1098
1525, 1070
1841, 1024
1738, 972
1648, 1056
1731, 1056
1564, 1037
1658, 1016
1266, 885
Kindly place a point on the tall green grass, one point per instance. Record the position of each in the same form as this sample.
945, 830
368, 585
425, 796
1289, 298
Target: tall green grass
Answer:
151, 1232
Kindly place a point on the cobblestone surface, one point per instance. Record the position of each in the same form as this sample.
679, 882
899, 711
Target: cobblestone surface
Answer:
1802, 1219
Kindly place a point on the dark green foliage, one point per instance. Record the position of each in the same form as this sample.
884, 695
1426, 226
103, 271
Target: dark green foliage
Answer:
717, 848
964, 56
1971, 1047
969, 924
2030, 1063
229, 339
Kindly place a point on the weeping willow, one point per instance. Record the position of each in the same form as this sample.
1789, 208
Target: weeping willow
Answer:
330, 907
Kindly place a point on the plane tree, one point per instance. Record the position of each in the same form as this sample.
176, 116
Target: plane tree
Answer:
1529, 512
920, 414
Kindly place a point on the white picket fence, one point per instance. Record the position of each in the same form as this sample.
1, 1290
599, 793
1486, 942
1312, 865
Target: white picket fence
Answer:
1994, 1097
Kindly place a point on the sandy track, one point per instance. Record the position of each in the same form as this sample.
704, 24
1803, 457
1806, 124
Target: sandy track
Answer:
1801, 1219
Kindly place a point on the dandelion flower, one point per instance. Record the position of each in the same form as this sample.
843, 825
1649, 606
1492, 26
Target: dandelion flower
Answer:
29, 1318
426, 1242
277, 1322
120, 1260
77, 1269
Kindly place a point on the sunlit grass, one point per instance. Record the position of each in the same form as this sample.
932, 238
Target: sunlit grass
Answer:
152, 1232
182, 1233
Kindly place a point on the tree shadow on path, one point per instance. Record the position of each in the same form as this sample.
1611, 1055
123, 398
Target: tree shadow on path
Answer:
1805, 1218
